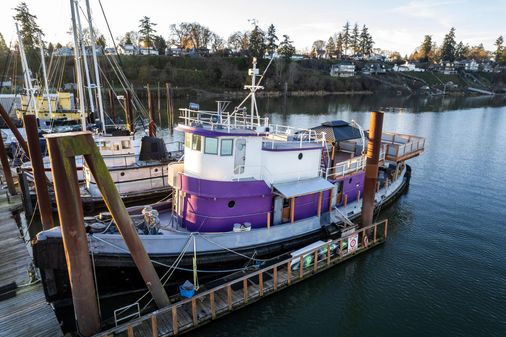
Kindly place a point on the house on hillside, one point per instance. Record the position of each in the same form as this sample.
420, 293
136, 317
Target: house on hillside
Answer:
343, 69
148, 51
110, 51
127, 49
467, 65
64, 51
447, 68
407, 67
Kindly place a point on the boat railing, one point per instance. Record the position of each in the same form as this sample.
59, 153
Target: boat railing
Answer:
284, 132
220, 120
223, 299
344, 168
401, 147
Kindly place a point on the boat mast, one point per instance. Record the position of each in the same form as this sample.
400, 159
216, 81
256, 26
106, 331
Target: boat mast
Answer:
44, 72
85, 59
78, 65
26, 72
95, 65
253, 88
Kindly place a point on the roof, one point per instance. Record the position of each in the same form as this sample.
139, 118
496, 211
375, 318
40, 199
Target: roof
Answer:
302, 187
338, 131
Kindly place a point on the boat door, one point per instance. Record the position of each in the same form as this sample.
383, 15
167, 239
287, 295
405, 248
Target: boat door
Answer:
240, 156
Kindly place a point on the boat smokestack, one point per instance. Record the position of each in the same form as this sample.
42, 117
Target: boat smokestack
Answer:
371, 170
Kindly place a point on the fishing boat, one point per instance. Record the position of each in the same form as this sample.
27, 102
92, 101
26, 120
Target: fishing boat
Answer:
247, 190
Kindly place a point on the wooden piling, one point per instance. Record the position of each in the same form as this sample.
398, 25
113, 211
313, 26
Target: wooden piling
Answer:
151, 108
7, 169
14, 129
112, 108
128, 111
371, 171
39, 174
75, 241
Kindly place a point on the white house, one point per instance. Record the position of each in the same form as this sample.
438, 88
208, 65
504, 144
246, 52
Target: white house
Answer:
407, 67
148, 51
127, 49
343, 69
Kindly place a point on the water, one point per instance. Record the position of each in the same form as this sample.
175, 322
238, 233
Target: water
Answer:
442, 271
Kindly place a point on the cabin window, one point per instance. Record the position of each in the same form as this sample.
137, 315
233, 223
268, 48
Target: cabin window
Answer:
196, 142
210, 145
188, 140
226, 147
125, 144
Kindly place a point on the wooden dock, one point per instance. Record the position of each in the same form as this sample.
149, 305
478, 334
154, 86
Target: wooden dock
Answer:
211, 304
27, 313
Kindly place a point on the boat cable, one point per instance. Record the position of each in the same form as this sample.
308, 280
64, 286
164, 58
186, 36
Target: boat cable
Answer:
95, 277
171, 270
251, 258
168, 266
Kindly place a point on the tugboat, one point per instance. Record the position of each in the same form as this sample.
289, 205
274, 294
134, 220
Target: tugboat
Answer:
246, 191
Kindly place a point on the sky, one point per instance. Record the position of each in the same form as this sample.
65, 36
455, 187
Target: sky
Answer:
394, 25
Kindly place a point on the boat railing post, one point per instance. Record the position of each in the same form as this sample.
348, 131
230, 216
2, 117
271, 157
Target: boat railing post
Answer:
6, 168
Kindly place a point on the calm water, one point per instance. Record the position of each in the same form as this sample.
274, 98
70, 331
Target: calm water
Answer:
442, 271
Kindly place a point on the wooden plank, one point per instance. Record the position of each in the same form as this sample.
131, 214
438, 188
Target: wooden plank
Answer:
175, 325
130, 331
261, 283
245, 290
301, 266
194, 312
289, 271
154, 326
315, 261
213, 305
229, 297
275, 278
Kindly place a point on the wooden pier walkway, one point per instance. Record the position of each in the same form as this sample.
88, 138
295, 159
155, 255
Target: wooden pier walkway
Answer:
208, 305
27, 313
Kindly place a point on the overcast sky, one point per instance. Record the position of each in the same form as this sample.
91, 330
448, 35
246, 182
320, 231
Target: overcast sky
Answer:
394, 24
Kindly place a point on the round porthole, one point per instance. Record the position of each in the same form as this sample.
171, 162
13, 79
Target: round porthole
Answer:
122, 174
231, 204
300, 156
156, 170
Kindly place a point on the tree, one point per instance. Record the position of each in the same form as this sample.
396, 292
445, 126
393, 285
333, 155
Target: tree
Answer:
234, 41
355, 40
331, 47
286, 48
50, 48
58, 46
461, 51
146, 31
478, 53
339, 45
29, 29
366, 41
271, 39
426, 48
129, 38
4, 50
101, 41
346, 37
257, 42
190, 35
217, 43
448, 47
396, 58
159, 44
318, 49
499, 48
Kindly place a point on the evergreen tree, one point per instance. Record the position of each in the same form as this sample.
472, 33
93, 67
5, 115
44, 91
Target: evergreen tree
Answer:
318, 49
339, 45
286, 48
159, 44
355, 40
4, 50
426, 48
448, 47
146, 31
331, 47
346, 37
499, 48
271, 40
58, 46
28, 27
461, 51
257, 42
366, 41
101, 42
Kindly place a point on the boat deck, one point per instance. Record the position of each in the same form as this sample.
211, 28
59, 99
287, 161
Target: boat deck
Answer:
26, 313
